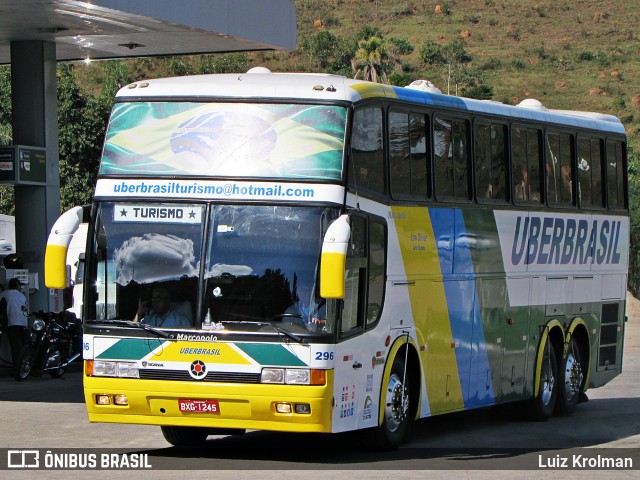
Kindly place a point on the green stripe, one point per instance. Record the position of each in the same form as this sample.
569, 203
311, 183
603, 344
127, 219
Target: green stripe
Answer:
130, 349
266, 354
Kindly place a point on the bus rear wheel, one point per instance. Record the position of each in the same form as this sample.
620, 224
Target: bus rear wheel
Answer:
185, 436
397, 407
544, 402
570, 381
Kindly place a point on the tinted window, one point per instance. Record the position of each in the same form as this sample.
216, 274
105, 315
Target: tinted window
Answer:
367, 159
450, 144
408, 155
615, 174
590, 172
490, 161
559, 169
525, 144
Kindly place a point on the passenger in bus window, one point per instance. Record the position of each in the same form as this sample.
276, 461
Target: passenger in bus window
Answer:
521, 186
567, 184
160, 314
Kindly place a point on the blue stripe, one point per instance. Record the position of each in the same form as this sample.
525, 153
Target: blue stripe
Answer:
462, 304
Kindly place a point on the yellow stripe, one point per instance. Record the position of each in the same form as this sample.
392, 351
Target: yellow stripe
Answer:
429, 306
369, 90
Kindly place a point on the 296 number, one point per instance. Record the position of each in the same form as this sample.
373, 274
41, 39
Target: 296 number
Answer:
324, 355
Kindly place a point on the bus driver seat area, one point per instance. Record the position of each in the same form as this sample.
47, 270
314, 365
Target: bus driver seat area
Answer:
183, 308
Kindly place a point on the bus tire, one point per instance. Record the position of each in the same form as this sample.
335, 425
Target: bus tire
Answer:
570, 381
185, 436
396, 399
544, 403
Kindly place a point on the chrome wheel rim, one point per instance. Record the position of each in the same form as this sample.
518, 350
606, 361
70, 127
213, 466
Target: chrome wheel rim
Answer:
548, 381
572, 376
396, 403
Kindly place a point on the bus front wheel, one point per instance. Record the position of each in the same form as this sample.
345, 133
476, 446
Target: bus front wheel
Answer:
396, 397
185, 436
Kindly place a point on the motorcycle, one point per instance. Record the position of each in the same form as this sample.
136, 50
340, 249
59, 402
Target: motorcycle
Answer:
54, 343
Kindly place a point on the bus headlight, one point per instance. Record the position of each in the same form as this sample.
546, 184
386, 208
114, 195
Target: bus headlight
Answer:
297, 376
293, 376
115, 369
272, 375
128, 370
104, 369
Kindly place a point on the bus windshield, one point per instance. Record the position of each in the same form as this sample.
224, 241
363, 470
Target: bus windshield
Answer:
219, 267
260, 140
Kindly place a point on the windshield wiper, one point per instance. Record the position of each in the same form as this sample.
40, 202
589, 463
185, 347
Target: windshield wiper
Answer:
281, 331
129, 323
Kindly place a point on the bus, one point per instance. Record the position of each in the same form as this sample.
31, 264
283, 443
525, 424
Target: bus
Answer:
339, 255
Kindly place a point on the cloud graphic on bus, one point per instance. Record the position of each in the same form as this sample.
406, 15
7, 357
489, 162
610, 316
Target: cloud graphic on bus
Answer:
154, 257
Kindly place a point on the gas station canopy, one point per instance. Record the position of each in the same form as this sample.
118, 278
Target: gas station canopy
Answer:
103, 29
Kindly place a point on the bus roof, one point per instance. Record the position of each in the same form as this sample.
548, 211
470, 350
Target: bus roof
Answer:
260, 83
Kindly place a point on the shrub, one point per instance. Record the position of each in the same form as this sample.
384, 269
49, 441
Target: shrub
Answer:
481, 92
401, 46
491, 64
518, 64
431, 54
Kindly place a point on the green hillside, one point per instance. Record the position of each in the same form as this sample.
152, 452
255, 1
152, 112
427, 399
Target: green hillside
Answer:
582, 55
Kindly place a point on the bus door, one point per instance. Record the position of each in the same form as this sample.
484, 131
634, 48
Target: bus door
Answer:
356, 393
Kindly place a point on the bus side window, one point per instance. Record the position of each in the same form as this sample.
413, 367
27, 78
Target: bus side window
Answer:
399, 154
419, 140
355, 278
367, 155
450, 143
408, 155
377, 249
490, 161
365, 275
590, 172
615, 174
559, 168
525, 144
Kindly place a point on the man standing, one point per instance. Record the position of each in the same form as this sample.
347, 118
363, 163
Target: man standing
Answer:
17, 319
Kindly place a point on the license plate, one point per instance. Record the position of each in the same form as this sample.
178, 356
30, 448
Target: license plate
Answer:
198, 406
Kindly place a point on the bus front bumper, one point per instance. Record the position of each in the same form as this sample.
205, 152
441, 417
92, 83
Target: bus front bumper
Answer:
239, 406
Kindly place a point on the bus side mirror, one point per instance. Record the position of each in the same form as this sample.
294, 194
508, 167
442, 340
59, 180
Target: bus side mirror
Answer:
334, 258
55, 256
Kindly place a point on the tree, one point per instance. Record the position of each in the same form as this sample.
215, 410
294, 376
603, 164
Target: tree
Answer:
82, 121
321, 47
633, 161
369, 59
6, 136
